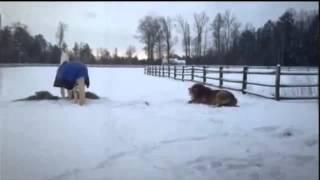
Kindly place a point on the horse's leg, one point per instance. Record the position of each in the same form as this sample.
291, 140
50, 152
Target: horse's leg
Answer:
62, 92
70, 94
81, 88
75, 95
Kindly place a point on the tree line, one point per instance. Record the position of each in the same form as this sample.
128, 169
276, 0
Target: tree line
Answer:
291, 40
18, 46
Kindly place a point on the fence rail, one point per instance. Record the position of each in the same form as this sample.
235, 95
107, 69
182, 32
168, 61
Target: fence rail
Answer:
56, 65
201, 74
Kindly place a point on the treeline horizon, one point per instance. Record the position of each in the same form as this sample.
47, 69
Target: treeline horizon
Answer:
291, 40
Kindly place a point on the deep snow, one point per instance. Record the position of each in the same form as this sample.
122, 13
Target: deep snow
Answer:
121, 137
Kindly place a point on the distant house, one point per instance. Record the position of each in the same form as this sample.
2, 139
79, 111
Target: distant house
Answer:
175, 61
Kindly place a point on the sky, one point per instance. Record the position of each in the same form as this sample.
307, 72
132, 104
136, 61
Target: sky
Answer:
114, 24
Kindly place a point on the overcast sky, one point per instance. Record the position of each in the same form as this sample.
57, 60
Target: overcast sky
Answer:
114, 24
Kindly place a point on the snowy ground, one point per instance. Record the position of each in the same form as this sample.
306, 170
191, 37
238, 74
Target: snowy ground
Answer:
120, 137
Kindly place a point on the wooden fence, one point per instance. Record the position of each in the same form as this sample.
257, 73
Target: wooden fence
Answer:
4, 65
194, 71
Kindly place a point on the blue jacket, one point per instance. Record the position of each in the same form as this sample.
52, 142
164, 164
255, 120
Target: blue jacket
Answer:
69, 72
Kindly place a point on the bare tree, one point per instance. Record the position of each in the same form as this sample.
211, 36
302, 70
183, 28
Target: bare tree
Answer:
60, 35
64, 46
205, 42
167, 26
217, 28
235, 32
76, 49
186, 37
115, 54
249, 27
148, 29
105, 54
194, 47
160, 40
200, 21
229, 21
160, 46
130, 51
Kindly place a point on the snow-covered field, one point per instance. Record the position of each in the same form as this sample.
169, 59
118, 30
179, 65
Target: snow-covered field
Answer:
121, 137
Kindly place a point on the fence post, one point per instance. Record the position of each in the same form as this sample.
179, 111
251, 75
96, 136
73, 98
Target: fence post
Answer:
220, 76
192, 72
158, 70
244, 79
169, 71
154, 71
174, 72
277, 87
162, 70
204, 74
182, 73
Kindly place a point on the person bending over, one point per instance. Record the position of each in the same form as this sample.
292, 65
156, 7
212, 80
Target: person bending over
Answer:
73, 76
